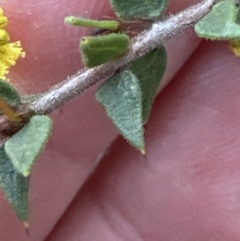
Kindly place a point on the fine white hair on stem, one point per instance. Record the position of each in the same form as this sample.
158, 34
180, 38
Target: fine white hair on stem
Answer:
146, 41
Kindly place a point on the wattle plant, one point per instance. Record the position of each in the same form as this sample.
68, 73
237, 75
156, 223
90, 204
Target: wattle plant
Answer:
132, 71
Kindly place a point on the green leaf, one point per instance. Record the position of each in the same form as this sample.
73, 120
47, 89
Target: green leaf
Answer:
122, 99
135, 9
24, 147
84, 22
220, 23
128, 96
149, 70
101, 49
14, 185
9, 93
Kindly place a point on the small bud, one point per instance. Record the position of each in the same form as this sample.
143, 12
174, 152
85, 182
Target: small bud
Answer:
84, 22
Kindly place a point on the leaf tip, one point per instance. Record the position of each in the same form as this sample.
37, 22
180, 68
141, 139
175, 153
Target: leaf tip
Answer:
26, 225
143, 151
69, 20
26, 173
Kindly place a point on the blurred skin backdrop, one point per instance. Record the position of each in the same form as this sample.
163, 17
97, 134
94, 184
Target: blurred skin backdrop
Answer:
187, 187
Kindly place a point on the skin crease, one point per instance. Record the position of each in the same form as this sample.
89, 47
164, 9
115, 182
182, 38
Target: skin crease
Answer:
187, 186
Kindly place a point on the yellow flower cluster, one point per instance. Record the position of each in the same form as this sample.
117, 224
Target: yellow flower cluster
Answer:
9, 52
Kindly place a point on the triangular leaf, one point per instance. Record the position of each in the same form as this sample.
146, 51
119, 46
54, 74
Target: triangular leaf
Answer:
121, 97
128, 96
14, 185
220, 23
101, 49
24, 147
149, 70
135, 9
9, 93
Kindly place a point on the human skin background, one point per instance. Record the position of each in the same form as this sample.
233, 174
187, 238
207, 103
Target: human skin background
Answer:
187, 187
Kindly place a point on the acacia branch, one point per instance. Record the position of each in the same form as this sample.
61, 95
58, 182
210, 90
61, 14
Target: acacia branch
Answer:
140, 45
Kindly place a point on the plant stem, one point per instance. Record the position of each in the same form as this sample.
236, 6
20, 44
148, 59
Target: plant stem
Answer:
140, 45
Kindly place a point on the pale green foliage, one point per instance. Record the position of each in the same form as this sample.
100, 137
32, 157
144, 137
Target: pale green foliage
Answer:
220, 23
143, 9
9, 93
14, 185
121, 97
25, 146
128, 96
98, 50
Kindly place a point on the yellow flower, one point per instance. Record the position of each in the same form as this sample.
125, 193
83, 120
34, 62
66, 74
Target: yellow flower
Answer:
3, 70
3, 20
9, 52
4, 37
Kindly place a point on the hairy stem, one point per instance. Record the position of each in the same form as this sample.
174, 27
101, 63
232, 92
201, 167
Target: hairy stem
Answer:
140, 45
